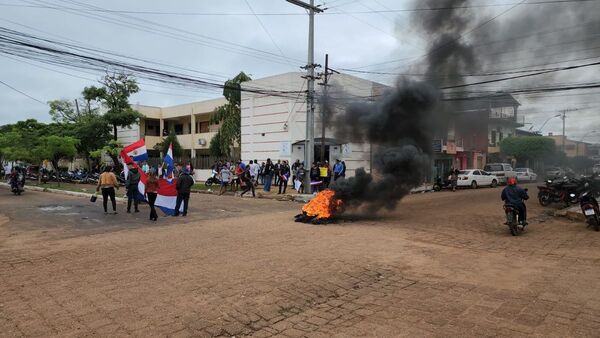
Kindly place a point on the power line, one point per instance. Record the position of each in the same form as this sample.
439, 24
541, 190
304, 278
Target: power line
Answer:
265, 29
387, 10
22, 93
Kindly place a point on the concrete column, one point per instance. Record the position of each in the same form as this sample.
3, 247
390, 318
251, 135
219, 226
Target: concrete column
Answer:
162, 127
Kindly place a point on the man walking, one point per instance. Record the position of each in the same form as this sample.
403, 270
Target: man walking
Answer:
184, 185
284, 175
131, 184
254, 169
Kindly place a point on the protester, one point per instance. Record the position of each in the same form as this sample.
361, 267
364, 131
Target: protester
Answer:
107, 184
299, 178
324, 174
294, 169
338, 168
224, 177
190, 168
247, 183
454, 178
314, 178
131, 184
240, 168
343, 174
253, 169
284, 175
261, 173
268, 175
152, 193
184, 185
177, 170
145, 167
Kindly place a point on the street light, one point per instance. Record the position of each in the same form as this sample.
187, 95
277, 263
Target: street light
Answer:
550, 118
581, 140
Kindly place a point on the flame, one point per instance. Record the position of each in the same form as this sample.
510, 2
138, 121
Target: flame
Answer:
323, 205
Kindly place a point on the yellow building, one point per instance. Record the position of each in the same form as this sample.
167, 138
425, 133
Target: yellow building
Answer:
572, 148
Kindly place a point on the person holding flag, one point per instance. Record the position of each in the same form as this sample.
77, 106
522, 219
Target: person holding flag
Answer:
131, 184
168, 159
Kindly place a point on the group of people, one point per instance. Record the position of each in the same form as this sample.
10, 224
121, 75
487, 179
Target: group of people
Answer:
249, 176
108, 183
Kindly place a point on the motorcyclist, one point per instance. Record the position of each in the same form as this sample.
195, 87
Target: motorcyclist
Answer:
515, 195
16, 177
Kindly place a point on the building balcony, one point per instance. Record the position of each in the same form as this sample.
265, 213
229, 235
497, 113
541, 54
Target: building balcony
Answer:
187, 141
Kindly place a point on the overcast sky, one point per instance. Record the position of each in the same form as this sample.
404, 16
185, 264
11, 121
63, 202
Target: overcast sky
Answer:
352, 39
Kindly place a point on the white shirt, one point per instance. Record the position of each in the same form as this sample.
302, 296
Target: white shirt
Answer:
254, 167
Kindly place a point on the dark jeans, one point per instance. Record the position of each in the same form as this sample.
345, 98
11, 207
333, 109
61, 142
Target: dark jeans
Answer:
151, 201
284, 184
132, 196
249, 186
267, 182
522, 212
182, 197
106, 193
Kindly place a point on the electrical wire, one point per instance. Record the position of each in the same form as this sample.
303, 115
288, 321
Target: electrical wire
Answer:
22, 93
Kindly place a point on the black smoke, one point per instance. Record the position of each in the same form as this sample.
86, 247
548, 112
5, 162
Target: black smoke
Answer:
463, 40
397, 127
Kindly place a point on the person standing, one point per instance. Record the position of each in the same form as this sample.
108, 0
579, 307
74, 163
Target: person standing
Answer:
299, 182
338, 168
184, 186
268, 175
261, 174
294, 169
107, 184
224, 177
145, 167
276, 169
454, 178
314, 178
324, 174
284, 175
152, 193
343, 175
131, 184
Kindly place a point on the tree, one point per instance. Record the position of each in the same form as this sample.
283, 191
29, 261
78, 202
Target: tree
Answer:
56, 148
85, 124
228, 116
163, 146
112, 149
528, 148
114, 96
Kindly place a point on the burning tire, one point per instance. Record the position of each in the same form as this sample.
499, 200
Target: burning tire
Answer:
321, 209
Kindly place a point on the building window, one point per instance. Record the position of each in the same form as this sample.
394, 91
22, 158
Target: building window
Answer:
493, 140
202, 127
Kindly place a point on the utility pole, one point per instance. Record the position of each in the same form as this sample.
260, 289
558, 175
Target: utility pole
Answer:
325, 85
309, 143
564, 117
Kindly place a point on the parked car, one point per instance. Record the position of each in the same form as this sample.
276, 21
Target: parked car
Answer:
554, 172
502, 171
596, 169
475, 177
525, 174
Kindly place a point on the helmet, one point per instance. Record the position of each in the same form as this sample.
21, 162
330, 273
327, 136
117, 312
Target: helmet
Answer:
511, 181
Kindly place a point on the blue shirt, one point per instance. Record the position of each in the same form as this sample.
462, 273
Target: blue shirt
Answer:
338, 168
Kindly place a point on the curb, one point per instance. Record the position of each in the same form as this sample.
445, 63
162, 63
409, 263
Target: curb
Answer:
259, 194
63, 192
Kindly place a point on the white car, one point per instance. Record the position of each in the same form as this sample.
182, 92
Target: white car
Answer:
476, 177
525, 174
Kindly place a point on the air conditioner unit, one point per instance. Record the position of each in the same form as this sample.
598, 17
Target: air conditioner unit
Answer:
202, 142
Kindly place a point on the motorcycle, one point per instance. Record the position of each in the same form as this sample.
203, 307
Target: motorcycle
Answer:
213, 179
17, 183
565, 191
589, 207
441, 184
512, 219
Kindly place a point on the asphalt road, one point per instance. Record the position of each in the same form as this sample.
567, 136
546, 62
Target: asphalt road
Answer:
441, 264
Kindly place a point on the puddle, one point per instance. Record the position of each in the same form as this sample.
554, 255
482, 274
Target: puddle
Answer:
55, 207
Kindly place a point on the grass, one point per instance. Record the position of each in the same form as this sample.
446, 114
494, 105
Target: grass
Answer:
87, 188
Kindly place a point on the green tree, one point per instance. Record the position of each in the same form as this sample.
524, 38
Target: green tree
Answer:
112, 148
228, 116
85, 123
114, 96
163, 146
56, 148
528, 148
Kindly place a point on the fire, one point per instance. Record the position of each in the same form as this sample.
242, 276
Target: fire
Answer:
323, 206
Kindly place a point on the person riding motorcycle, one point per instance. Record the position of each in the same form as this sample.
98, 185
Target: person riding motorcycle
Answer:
515, 195
16, 177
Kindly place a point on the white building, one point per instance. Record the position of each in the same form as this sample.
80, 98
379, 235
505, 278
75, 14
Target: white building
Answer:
272, 126
275, 126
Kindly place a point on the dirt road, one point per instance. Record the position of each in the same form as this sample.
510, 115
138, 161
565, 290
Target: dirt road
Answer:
442, 264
